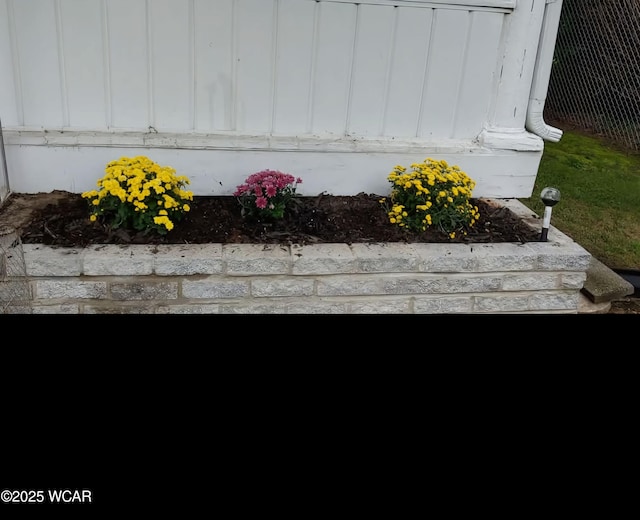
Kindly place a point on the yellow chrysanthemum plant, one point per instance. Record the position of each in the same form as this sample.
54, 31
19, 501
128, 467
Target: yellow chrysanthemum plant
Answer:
136, 193
432, 194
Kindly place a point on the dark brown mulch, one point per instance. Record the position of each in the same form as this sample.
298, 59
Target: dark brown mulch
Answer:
217, 219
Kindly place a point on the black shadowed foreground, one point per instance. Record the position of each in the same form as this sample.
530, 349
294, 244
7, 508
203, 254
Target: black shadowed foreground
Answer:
63, 221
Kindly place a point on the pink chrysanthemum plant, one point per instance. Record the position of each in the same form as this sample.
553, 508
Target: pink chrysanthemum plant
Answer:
265, 195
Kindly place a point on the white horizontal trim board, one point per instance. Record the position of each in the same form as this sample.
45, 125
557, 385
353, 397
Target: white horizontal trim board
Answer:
237, 142
456, 4
497, 173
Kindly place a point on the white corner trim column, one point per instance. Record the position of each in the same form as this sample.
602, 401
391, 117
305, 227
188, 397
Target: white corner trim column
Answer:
505, 128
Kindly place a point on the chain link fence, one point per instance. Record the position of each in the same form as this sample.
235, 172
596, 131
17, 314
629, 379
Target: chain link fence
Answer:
15, 292
595, 77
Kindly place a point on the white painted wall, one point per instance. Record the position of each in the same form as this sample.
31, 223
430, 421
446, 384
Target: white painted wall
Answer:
335, 91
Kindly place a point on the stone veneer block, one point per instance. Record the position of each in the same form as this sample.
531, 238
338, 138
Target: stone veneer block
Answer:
253, 308
385, 257
554, 301
504, 257
501, 303
470, 284
412, 284
323, 259
317, 307
553, 256
572, 280
442, 305
151, 290
117, 260
446, 258
256, 259
530, 281
279, 286
381, 306
65, 308
188, 259
215, 287
119, 309
212, 308
353, 286
49, 261
70, 289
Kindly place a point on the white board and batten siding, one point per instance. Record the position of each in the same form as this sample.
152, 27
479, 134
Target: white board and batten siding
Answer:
334, 91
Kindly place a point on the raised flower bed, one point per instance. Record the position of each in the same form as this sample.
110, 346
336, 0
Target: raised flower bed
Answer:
385, 278
452, 275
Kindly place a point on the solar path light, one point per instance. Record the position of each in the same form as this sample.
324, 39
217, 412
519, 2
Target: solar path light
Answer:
550, 197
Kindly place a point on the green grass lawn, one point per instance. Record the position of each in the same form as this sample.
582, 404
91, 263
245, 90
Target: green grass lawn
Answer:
600, 197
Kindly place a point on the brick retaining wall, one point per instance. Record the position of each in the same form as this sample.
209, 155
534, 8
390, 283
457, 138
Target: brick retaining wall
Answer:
538, 277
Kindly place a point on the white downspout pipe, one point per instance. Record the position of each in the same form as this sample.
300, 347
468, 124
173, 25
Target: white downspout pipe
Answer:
542, 74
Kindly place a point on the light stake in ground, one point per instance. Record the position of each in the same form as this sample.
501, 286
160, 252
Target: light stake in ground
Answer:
550, 197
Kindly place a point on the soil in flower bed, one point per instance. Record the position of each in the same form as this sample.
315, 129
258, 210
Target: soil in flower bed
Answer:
60, 218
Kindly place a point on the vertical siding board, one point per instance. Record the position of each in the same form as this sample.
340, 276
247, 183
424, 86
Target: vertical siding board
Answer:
61, 62
254, 65
9, 84
373, 50
129, 66
37, 49
389, 68
274, 62
479, 68
192, 65
106, 63
148, 25
213, 65
294, 56
172, 73
444, 73
81, 24
314, 63
336, 26
407, 71
233, 112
